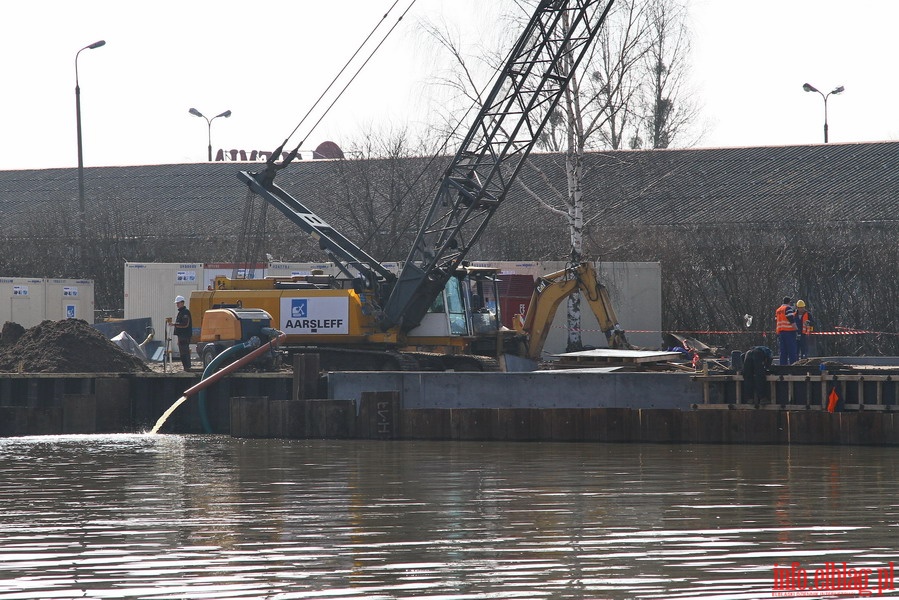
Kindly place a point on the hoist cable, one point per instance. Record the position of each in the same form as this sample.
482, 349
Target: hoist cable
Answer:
356, 74
274, 155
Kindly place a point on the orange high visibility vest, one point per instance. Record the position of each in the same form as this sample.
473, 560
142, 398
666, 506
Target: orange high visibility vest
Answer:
781, 321
806, 326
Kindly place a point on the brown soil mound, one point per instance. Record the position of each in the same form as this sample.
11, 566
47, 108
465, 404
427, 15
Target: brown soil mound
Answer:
11, 333
67, 346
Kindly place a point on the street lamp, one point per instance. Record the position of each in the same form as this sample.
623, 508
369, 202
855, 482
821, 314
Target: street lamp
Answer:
209, 121
81, 218
837, 90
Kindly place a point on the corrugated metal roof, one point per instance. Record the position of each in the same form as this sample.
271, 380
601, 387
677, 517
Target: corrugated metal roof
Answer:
759, 185
850, 182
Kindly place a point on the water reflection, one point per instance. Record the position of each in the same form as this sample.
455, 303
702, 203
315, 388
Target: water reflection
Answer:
128, 516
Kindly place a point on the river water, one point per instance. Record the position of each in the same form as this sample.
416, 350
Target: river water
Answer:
164, 516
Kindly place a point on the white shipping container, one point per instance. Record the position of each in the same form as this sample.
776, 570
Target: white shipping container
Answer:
150, 290
22, 300
29, 300
69, 299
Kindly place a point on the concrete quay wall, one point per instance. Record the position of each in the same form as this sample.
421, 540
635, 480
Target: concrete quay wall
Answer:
581, 388
575, 406
88, 403
379, 415
549, 406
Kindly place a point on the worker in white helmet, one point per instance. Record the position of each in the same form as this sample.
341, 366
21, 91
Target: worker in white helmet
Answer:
184, 329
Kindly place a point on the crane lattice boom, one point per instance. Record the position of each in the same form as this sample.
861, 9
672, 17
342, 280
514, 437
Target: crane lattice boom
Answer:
508, 125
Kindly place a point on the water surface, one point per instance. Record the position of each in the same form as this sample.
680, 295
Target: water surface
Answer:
163, 516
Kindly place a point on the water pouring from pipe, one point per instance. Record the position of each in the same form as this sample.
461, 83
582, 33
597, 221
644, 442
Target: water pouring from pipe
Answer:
212, 375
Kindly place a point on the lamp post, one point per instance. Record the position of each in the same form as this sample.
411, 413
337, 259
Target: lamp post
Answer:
81, 216
837, 90
209, 121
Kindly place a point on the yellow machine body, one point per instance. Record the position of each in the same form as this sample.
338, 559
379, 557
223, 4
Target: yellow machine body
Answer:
307, 316
219, 325
232, 325
327, 316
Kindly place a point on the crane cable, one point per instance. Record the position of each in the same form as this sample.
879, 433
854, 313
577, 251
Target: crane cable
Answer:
294, 152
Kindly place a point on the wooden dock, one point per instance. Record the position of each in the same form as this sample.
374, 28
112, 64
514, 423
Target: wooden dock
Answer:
855, 392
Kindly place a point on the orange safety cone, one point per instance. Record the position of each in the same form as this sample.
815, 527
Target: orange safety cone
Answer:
832, 400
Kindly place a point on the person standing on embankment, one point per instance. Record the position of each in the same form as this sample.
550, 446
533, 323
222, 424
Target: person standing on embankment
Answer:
805, 325
184, 329
785, 327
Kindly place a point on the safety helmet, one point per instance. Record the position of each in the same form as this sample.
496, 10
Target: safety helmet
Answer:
178, 299
800, 304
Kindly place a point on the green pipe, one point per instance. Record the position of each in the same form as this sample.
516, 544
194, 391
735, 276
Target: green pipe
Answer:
218, 362
211, 373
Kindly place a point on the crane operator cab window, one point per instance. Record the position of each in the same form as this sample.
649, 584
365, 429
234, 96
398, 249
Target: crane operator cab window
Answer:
451, 304
455, 307
482, 290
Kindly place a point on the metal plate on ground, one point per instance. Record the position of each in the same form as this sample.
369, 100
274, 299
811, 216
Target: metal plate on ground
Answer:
601, 355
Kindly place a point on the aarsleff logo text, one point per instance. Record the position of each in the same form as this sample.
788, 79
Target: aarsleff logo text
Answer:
315, 315
831, 579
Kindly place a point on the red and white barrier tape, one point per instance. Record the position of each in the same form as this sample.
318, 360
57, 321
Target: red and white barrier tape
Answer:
837, 331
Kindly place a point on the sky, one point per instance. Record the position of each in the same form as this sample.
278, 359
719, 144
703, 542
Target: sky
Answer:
268, 63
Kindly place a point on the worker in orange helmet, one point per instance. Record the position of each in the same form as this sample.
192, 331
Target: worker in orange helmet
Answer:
805, 325
785, 327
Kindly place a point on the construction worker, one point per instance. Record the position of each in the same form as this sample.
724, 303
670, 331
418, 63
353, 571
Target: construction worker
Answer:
805, 324
756, 361
184, 329
785, 327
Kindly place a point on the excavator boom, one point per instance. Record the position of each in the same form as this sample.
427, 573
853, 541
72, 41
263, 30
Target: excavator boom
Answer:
552, 289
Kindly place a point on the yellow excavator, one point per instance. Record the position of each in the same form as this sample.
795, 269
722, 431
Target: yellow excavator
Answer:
550, 291
426, 316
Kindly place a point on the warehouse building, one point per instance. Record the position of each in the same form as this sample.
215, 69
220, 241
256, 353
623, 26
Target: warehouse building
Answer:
733, 228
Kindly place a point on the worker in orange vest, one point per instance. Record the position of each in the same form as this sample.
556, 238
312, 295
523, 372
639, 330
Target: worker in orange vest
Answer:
785, 327
805, 325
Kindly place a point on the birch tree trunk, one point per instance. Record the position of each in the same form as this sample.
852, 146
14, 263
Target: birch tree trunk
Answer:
574, 173
574, 164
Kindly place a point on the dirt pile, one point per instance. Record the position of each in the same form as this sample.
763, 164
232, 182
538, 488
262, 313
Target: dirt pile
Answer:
11, 333
67, 346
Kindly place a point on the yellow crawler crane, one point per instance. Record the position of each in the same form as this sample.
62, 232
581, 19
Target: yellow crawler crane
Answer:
425, 313
329, 316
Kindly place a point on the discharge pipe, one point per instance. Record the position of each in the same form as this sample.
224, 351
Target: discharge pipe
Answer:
223, 359
211, 375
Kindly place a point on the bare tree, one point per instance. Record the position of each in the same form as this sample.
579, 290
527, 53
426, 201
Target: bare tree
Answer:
383, 192
597, 111
667, 106
603, 105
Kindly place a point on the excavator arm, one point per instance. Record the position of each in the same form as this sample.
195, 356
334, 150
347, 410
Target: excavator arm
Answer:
551, 290
509, 123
